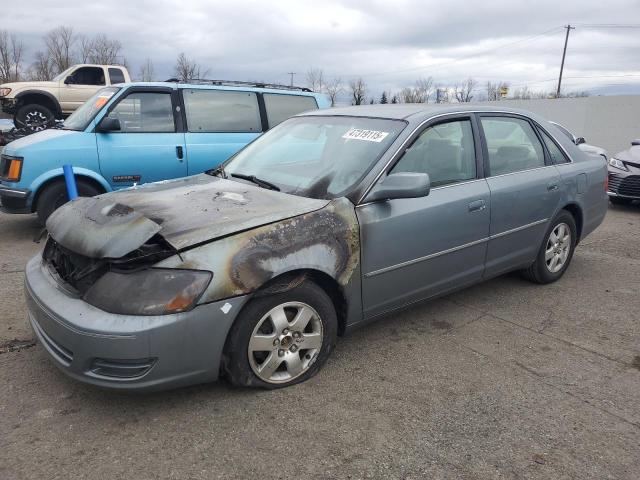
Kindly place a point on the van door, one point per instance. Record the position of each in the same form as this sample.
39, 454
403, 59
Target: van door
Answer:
150, 144
218, 124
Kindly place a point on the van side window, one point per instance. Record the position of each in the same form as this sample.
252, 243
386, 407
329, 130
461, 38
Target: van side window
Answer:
557, 155
87, 76
445, 151
145, 112
116, 75
221, 111
512, 144
280, 107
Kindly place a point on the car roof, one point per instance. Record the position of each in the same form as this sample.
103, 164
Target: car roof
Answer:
414, 111
204, 86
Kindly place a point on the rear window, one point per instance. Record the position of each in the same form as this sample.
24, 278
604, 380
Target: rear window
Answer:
280, 107
221, 111
116, 75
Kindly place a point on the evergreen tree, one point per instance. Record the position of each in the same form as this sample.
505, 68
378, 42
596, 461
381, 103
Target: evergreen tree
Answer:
383, 98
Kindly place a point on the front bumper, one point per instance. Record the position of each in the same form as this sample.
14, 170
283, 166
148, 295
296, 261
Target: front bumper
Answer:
15, 200
8, 105
123, 352
624, 184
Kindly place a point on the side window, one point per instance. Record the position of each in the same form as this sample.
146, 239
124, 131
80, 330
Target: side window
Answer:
557, 155
116, 75
145, 112
445, 151
88, 76
221, 111
513, 145
282, 106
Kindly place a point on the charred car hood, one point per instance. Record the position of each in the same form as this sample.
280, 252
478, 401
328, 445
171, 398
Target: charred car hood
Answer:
185, 212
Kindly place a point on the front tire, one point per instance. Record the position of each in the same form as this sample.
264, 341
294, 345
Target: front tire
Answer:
556, 251
281, 339
55, 195
34, 118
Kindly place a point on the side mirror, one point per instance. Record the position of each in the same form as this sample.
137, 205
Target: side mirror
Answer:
580, 140
108, 124
69, 80
635, 142
401, 185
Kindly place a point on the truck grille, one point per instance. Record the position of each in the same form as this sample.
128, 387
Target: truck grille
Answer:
626, 186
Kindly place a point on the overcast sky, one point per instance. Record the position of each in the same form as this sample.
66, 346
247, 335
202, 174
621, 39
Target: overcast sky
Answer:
388, 43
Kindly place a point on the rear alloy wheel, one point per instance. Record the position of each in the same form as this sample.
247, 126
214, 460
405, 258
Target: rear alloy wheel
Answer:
556, 250
281, 339
34, 118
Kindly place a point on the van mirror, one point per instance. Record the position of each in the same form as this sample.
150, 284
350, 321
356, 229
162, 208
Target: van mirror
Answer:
580, 140
109, 124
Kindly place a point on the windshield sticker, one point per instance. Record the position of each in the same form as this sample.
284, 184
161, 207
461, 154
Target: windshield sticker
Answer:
368, 135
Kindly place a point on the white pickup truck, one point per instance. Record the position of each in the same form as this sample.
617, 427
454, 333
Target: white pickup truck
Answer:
35, 105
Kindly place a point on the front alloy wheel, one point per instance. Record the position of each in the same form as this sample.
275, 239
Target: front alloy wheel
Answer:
285, 342
281, 337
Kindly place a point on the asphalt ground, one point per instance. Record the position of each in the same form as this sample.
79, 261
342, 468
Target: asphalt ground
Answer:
503, 380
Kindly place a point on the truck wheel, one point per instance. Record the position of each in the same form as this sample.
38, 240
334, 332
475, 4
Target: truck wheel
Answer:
55, 195
34, 117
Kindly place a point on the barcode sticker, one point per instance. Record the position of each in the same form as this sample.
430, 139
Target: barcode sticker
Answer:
368, 135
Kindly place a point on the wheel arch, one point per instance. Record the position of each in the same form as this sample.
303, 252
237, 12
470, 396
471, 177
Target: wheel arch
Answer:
40, 97
288, 280
576, 212
58, 175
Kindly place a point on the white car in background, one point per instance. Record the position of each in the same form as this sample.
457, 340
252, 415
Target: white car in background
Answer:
582, 143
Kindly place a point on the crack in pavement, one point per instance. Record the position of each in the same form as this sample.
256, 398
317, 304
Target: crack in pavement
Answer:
17, 345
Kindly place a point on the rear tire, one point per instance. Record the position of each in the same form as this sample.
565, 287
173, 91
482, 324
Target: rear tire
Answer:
55, 195
556, 251
265, 348
34, 118
620, 201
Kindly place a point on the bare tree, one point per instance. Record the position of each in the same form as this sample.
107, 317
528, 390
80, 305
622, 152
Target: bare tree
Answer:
147, 71
495, 91
334, 88
315, 79
11, 50
419, 93
42, 68
358, 91
442, 94
464, 92
60, 42
85, 49
186, 69
104, 51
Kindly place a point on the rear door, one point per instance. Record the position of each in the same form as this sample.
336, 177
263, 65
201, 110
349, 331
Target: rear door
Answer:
150, 146
525, 190
218, 124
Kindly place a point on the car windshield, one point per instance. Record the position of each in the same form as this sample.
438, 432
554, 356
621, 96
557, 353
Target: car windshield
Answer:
316, 156
80, 119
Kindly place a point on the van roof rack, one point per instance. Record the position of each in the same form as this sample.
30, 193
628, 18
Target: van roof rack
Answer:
237, 83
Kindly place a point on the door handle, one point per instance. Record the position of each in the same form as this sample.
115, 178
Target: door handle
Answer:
477, 206
552, 187
179, 152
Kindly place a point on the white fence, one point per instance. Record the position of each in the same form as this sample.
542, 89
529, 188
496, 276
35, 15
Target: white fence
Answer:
609, 122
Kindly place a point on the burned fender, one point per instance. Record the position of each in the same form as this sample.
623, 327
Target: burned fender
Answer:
325, 240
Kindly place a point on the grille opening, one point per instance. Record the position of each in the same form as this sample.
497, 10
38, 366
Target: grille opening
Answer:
122, 368
81, 272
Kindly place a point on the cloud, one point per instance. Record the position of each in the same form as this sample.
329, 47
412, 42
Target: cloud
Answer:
389, 43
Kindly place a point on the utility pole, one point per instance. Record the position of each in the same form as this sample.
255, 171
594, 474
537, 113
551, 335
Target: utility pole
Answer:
564, 53
292, 74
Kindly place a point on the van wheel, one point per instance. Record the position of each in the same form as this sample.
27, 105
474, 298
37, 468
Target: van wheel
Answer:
55, 195
281, 339
34, 117
556, 251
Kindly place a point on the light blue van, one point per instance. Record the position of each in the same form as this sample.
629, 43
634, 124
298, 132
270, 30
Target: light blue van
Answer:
143, 132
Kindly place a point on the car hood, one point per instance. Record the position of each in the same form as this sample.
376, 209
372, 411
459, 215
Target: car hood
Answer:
18, 86
43, 140
630, 156
185, 212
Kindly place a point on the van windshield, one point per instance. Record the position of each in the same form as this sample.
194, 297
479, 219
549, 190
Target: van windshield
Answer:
82, 117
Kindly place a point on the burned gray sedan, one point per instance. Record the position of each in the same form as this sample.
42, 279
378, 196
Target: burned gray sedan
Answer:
326, 222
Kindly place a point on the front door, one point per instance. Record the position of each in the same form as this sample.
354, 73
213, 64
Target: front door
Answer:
150, 146
417, 248
78, 87
525, 191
